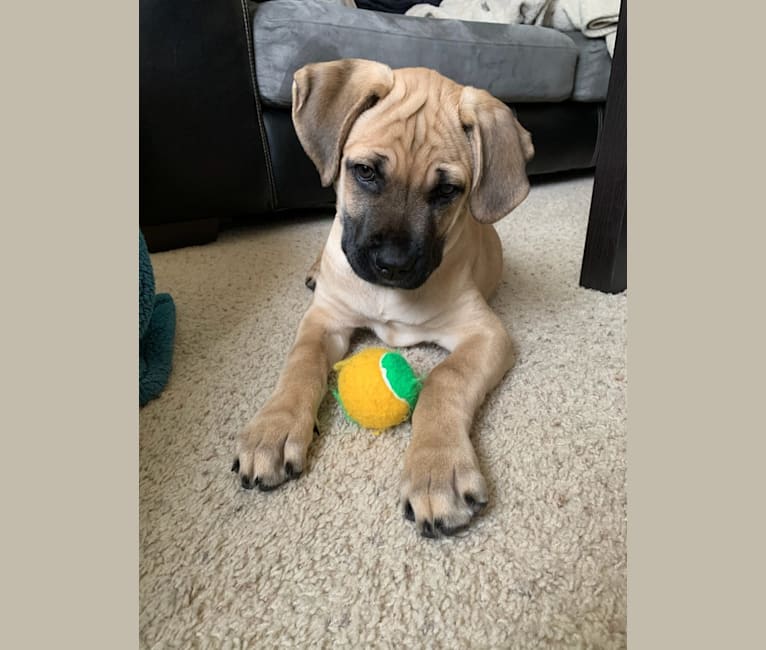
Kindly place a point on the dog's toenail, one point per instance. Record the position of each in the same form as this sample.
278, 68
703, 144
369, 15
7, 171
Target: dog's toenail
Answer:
408, 512
235, 465
316, 430
246, 483
291, 472
473, 503
428, 530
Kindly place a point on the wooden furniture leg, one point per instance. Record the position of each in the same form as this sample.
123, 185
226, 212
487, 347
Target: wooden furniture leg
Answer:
604, 264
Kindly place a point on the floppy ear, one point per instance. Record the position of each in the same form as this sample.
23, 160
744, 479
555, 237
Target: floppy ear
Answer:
327, 100
501, 148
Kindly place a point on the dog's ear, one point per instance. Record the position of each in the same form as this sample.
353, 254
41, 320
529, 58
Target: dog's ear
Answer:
500, 148
327, 100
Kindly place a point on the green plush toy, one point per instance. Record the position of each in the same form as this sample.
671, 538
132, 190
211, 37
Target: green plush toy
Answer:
377, 388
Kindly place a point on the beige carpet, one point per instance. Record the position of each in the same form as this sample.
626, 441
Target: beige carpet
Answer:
328, 560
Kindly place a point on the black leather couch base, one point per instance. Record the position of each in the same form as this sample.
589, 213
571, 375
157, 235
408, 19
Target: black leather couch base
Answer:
194, 232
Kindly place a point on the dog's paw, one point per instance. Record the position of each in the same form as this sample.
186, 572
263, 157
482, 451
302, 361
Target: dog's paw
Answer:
272, 449
442, 488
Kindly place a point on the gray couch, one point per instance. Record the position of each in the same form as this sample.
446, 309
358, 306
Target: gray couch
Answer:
516, 63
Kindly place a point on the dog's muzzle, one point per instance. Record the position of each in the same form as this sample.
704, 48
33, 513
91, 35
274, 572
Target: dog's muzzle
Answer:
395, 260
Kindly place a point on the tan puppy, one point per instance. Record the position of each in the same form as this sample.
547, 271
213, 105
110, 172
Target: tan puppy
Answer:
421, 167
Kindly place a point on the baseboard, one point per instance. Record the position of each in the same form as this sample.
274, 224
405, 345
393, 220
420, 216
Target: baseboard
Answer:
162, 237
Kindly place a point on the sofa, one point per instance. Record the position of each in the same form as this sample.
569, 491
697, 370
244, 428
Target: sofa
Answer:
216, 139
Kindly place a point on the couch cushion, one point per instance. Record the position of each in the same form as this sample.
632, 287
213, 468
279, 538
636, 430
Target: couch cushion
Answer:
593, 68
516, 63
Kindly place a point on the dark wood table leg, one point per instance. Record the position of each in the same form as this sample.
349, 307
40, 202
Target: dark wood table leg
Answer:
604, 264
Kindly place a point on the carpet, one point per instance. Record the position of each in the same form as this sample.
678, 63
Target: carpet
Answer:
329, 560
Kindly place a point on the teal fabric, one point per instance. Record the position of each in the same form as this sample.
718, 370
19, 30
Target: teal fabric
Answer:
156, 330
145, 287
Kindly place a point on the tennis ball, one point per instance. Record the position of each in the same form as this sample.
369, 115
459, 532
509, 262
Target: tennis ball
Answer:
377, 388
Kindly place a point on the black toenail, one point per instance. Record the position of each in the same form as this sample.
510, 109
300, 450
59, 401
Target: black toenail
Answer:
316, 430
235, 465
473, 503
428, 530
291, 472
408, 512
246, 483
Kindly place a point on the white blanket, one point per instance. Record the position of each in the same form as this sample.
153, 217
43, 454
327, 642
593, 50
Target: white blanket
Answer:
594, 18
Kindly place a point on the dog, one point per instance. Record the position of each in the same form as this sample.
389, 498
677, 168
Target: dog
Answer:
422, 167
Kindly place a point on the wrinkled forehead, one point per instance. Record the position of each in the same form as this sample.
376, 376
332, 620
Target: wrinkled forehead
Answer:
415, 129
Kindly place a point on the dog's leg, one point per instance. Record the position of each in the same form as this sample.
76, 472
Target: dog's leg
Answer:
442, 486
272, 447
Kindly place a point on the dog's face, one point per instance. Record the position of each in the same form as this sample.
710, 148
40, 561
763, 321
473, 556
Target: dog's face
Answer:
410, 153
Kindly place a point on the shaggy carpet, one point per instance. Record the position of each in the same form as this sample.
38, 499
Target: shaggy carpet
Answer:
328, 559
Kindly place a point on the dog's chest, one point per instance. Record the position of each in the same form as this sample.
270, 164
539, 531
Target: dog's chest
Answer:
398, 322
398, 335
398, 318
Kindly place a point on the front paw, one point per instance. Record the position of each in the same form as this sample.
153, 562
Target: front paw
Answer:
442, 487
272, 449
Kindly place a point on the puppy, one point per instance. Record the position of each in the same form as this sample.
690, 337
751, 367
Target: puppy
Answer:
422, 167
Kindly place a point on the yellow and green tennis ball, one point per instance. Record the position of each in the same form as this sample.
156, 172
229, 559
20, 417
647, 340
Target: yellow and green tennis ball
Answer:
377, 388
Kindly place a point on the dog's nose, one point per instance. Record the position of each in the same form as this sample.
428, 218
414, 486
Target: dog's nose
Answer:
393, 262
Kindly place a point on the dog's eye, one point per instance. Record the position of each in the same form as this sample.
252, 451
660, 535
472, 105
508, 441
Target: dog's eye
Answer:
445, 190
364, 173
